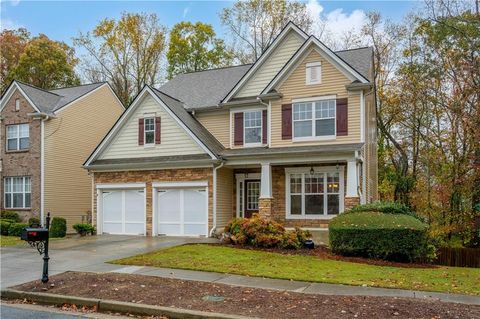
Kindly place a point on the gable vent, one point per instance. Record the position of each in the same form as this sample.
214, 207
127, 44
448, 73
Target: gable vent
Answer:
314, 73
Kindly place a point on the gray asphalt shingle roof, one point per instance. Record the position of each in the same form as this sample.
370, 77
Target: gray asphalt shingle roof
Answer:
204, 88
359, 59
53, 100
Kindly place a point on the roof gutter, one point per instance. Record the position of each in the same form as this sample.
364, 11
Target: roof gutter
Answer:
358, 86
40, 115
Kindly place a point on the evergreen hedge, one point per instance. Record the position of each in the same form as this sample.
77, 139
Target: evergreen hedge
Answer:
58, 227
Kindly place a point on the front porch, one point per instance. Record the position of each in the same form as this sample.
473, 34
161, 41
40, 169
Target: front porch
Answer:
305, 195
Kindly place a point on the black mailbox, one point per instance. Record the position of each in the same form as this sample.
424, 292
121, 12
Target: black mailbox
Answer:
35, 234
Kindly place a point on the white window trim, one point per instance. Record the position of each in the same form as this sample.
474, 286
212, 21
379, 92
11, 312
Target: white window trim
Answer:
306, 170
17, 126
314, 120
241, 178
145, 144
245, 144
308, 67
24, 192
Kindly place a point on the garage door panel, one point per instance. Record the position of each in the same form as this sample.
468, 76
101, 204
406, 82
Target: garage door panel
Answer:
123, 212
112, 207
170, 201
194, 206
182, 212
134, 206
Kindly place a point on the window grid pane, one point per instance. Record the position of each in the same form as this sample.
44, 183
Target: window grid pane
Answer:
253, 127
253, 192
17, 192
314, 118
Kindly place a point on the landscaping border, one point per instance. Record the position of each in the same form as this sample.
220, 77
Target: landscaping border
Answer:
115, 306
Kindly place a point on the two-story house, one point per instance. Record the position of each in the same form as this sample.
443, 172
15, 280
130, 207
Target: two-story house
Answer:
45, 136
291, 137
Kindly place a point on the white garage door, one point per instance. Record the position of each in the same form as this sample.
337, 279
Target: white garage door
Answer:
124, 212
182, 212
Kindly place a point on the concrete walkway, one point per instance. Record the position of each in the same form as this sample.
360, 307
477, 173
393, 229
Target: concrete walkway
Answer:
294, 286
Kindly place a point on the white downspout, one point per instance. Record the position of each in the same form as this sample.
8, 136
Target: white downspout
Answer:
214, 226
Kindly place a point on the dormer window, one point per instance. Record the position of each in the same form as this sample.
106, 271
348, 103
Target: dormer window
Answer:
313, 73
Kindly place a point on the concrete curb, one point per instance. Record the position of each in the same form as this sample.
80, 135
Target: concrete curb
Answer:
115, 306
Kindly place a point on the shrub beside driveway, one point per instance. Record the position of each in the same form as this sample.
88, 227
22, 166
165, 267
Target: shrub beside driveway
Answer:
249, 262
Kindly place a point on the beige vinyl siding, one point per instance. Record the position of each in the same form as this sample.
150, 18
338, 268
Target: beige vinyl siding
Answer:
70, 138
277, 59
217, 123
332, 83
225, 197
174, 139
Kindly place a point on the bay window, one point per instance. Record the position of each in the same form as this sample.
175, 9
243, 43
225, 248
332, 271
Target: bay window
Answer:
18, 192
314, 193
314, 119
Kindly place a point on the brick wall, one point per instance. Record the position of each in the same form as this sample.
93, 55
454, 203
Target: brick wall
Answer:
21, 163
149, 176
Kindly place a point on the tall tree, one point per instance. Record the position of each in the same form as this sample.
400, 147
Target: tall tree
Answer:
254, 24
127, 53
194, 47
47, 64
12, 44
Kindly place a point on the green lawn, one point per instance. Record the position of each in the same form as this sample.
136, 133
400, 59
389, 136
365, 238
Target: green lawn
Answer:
308, 268
9, 241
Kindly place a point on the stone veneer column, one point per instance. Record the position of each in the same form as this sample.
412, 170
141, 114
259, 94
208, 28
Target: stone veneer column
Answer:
265, 207
265, 201
351, 202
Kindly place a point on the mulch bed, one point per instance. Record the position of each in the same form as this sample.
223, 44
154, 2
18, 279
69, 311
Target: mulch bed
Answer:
261, 303
323, 252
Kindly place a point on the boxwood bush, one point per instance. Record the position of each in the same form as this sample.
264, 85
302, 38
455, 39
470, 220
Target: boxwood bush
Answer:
260, 232
10, 215
388, 235
58, 227
4, 225
16, 229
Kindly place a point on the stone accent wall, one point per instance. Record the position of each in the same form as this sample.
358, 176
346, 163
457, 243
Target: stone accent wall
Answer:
351, 202
21, 163
149, 176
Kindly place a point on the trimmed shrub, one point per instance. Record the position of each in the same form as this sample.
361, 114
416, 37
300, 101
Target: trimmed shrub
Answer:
34, 221
84, 229
58, 227
265, 233
389, 236
11, 215
16, 229
386, 208
4, 225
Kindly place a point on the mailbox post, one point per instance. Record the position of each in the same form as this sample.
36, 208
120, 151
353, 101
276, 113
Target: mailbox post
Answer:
38, 238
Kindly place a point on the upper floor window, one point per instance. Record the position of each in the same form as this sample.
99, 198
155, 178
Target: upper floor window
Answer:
149, 130
253, 127
313, 73
18, 137
18, 192
314, 119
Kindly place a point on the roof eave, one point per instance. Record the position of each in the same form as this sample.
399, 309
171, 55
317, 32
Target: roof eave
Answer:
151, 165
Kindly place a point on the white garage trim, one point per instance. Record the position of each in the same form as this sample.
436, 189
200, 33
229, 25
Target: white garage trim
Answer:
119, 186
156, 187
180, 184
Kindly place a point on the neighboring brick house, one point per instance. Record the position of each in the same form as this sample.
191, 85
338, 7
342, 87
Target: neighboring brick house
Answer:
291, 137
45, 136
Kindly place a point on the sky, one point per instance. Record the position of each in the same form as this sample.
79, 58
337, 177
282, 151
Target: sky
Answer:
62, 20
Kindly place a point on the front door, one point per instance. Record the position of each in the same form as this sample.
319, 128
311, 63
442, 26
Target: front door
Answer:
252, 193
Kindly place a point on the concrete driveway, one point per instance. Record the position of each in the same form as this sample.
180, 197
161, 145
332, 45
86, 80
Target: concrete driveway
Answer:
22, 263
